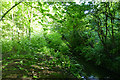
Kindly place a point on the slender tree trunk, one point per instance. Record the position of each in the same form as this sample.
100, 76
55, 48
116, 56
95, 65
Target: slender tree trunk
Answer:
99, 31
13, 25
112, 22
18, 35
29, 32
30, 21
106, 14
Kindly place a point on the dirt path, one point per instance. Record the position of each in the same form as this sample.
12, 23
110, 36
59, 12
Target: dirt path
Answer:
29, 69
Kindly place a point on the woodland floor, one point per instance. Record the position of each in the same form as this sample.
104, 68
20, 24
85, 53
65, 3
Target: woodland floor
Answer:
29, 68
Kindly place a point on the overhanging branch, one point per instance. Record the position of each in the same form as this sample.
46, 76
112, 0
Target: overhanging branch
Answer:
10, 9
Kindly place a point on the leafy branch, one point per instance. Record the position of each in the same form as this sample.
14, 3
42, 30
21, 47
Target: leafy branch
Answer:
10, 9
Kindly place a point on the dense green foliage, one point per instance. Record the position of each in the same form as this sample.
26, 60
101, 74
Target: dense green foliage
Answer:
79, 39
